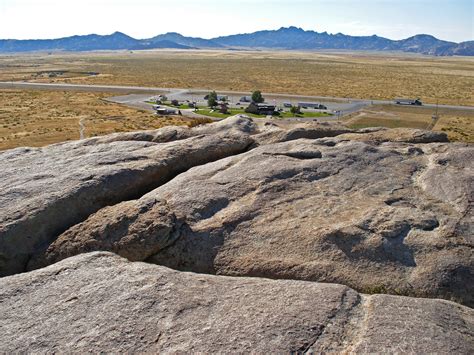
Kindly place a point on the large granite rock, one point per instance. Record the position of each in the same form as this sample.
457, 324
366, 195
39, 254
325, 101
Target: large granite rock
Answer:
379, 217
44, 191
99, 302
380, 135
272, 133
239, 124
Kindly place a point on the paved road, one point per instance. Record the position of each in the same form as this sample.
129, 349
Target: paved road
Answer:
139, 101
80, 87
344, 105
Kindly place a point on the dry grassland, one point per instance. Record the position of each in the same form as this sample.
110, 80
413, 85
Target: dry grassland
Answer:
458, 124
38, 118
448, 80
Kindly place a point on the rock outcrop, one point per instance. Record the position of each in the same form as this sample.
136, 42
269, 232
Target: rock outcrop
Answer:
44, 191
379, 217
235, 124
373, 211
100, 302
309, 130
401, 135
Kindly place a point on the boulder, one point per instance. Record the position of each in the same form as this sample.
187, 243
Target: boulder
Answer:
381, 218
99, 302
45, 191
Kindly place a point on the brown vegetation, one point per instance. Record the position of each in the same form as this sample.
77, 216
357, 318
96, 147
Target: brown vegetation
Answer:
359, 75
458, 124
38, 118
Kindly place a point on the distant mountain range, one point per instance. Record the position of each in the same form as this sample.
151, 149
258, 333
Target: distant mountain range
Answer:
287, 38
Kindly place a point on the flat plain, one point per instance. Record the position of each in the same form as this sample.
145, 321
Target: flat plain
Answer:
36, 118
457, 124
447, 80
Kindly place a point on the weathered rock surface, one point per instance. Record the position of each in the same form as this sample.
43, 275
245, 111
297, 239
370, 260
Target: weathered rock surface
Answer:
100, 302
172, 133
274, 133
385, 217
396, 135
44, 191
381, 211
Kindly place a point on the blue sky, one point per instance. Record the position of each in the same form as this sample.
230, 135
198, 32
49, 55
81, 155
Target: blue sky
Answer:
446, 19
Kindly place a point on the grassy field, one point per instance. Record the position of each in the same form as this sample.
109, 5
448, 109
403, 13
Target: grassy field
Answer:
235, 111
37, 118
449, 80
459, 125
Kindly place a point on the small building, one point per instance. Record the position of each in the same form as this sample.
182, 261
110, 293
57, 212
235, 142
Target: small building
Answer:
261, 109
415, 102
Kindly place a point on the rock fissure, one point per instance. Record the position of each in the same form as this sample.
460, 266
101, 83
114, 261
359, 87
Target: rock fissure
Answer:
339, 318
124, 170
332, 211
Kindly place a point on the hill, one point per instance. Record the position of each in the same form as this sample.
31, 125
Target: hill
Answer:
297, 38
288, 38
185, 41
114, 41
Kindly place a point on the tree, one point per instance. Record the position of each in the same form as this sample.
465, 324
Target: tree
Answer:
212, 99
295, 110
257, 97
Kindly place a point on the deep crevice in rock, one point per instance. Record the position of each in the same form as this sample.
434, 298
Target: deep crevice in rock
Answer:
115, 189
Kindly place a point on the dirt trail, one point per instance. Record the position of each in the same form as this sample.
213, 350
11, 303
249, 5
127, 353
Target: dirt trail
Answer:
82, 128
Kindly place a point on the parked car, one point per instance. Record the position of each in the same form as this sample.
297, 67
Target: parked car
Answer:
287, 104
